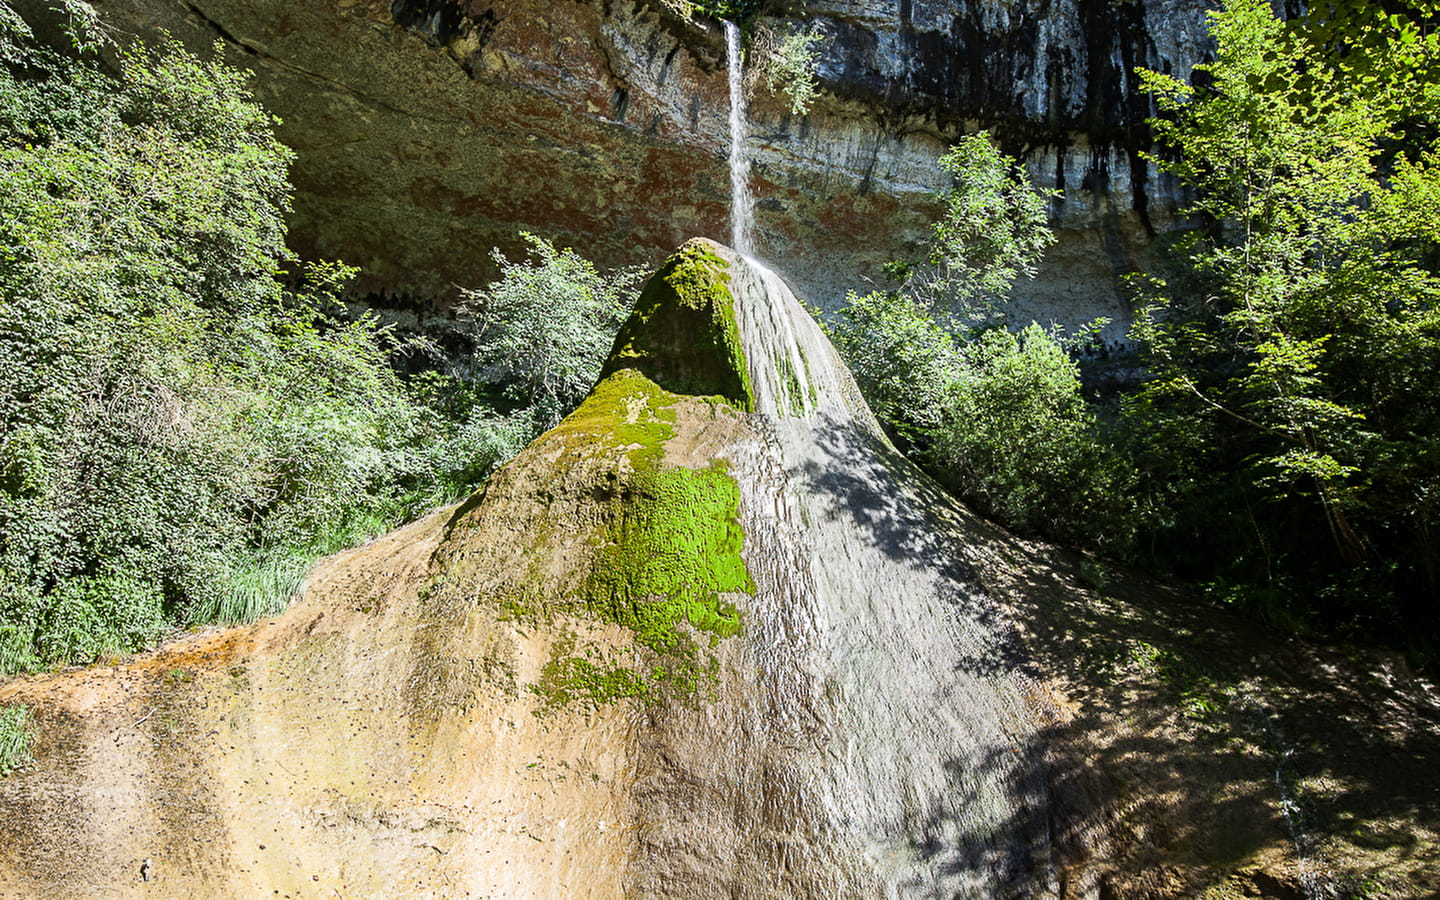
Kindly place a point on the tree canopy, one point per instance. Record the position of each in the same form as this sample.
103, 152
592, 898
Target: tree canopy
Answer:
1296, 370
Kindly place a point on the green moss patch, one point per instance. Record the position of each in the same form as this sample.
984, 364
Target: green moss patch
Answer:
682, 333
666, 553
669, 554
626, 412
568, 680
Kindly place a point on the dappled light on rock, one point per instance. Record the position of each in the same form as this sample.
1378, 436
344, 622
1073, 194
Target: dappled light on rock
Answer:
709, 637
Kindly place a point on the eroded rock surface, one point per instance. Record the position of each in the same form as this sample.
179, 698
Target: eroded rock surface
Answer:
724, 645
430, 131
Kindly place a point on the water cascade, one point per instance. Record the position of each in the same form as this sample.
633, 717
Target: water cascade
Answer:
892, 682
741, 204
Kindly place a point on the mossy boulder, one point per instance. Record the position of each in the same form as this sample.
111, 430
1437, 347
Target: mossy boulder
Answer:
682, 334
621, 545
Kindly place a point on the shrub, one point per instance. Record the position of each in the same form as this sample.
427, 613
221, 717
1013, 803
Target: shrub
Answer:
997, 416
545, 327
183, 426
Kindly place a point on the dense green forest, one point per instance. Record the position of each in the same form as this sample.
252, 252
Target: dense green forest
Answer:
189, 416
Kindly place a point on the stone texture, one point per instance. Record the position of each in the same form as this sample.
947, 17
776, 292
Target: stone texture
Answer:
916, 703
430, 131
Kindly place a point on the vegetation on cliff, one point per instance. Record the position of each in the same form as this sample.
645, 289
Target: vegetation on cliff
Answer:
666, 549
543, 329
683, 333
185, 424
997, 415
1289, 416
666, 553
1281, 448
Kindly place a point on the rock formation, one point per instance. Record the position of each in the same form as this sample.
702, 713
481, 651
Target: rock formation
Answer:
430, 131
713, 637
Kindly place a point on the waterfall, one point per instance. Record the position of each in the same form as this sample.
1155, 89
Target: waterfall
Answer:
896, 686
741, 212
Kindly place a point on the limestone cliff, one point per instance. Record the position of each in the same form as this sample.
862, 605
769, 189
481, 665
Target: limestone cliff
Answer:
724, 644
429, 131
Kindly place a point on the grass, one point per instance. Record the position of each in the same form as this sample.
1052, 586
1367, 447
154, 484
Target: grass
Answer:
15, 738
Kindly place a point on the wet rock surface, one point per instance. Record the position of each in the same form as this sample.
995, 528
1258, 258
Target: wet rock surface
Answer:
818, 677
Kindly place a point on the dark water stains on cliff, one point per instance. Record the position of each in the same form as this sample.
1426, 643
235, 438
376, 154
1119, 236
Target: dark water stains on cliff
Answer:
975, 68
1019, 74
1116, 42
442, 21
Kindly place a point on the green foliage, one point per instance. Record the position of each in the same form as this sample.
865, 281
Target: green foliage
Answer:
15, 738
1296, 381
997, 416
180, 433
1000, 419
734, 10
1017, 439
900, 356
789, 60
544, 328
994, 230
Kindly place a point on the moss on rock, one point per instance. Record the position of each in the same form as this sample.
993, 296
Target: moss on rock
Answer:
666, 555
682, 333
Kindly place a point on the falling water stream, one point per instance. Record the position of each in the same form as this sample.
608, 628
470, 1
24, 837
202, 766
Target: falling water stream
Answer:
891, 678
741, 208
906, 755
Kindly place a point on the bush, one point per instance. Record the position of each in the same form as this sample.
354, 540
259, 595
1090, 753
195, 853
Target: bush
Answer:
180, 432
788, 64
545, 327
997, 416
902, 359
1016, 438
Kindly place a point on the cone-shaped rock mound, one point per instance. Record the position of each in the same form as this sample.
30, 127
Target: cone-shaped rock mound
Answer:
682, 333
711, 636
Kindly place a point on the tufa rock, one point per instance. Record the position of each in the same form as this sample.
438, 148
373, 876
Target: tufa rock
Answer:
724, 644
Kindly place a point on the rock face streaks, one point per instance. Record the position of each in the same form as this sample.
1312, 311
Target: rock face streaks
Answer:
430, 131
712, 637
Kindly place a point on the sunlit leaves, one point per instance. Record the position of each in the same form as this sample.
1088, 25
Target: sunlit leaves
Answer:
180, 431
1309, 347
546, 325
993, 230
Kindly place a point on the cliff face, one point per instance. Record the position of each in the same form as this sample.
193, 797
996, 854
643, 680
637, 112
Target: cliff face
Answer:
1055, 81
429, 131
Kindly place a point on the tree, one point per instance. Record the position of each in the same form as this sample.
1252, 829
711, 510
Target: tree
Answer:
902, 359
1309, 358
994, 229
183, 426
545, 327
997, 416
